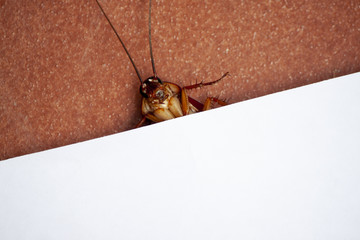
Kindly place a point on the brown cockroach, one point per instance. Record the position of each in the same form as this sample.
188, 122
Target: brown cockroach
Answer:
165, 100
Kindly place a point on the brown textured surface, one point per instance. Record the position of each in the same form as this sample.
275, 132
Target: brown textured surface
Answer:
64, 77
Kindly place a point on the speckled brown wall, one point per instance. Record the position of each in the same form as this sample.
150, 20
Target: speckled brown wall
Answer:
65, 78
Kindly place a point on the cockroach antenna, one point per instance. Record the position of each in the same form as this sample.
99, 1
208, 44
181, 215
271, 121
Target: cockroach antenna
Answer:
117, 35
151, 52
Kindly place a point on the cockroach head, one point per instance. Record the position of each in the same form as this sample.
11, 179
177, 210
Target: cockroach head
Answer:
152, 88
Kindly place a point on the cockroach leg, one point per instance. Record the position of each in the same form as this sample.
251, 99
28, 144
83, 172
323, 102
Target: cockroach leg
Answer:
202, 84
184, 102
209, 100
142, 121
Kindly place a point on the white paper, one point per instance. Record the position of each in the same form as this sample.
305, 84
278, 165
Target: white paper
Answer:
283, 166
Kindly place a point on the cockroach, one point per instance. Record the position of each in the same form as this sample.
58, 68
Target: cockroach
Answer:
165, 100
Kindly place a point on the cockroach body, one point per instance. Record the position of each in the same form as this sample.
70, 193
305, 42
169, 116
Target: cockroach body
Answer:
165, 100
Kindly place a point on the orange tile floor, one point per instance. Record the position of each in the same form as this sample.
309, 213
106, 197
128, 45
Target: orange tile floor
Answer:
65, 77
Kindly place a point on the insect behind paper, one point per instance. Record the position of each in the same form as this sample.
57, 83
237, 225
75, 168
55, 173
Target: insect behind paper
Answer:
165, 100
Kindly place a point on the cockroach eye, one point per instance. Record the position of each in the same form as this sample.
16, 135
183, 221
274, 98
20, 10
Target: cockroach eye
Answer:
160, 94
